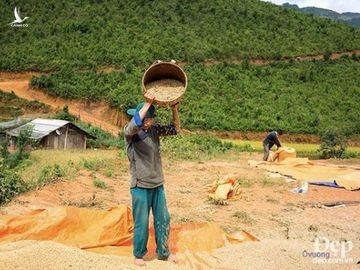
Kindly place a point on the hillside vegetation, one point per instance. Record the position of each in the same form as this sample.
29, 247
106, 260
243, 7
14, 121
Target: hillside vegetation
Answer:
12, 106
76, 39
91, 34
299, 97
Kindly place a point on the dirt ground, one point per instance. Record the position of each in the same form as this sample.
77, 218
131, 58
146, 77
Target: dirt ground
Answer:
285, 223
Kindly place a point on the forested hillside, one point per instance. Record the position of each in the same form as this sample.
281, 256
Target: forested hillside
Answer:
88, 34
300, 97
74, 40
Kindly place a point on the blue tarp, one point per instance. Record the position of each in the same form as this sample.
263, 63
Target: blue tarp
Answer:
328, 184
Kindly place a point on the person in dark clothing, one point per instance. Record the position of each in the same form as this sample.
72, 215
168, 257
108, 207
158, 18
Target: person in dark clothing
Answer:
147, 179
271, 139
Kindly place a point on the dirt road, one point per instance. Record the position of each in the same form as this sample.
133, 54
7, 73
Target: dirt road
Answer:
98, 113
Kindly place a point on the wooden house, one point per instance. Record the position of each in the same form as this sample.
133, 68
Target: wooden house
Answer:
52, 133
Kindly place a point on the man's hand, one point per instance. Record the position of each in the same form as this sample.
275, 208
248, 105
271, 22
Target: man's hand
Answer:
175, 106
149, 98
176, 119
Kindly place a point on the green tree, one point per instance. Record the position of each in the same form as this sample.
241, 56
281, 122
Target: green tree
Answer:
333, 144
23, 141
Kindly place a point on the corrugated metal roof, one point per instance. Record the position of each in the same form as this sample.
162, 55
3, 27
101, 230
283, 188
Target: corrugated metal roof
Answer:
10, 124
40, 127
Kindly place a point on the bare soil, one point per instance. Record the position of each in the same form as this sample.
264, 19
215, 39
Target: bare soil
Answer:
97, 113
285, 223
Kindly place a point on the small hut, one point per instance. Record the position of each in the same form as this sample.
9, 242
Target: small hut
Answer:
53, 133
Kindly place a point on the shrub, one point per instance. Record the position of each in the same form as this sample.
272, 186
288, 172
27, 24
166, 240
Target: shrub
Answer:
99, 183
65, 115
10, 184
333, 144
244, 217
350, 154
13, 160
50, 174
327, 55
194, 146
94, 165
103, 139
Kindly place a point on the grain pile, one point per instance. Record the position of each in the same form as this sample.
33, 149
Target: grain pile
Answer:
271, 254
49, 255
165, 90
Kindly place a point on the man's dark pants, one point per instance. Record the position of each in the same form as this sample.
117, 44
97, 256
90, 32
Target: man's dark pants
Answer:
266, 151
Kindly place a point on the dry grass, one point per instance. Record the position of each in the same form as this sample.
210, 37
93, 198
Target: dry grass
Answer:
218, 201
272, 182
272, 200
175, 218
99, 183
70, 161
244, 217
92, 202
245, 182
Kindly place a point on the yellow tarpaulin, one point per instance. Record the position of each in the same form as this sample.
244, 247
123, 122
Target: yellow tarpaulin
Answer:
108, 231
281, 154
305, 170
